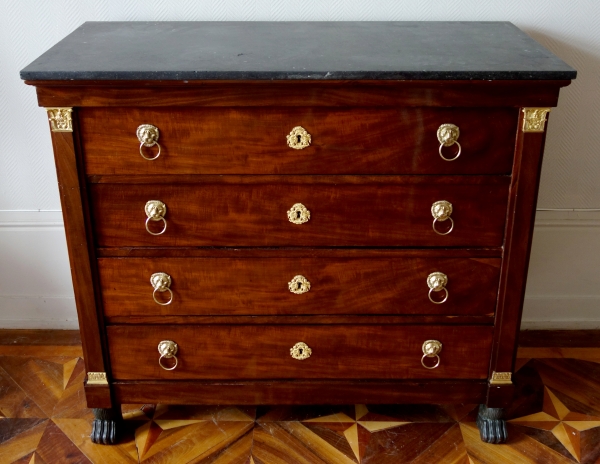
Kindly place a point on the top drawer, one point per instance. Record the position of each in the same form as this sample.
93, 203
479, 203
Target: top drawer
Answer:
254, 140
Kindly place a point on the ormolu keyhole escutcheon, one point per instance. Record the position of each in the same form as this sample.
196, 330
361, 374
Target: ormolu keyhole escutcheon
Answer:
300, 351
299, 285
298, 214
298, 138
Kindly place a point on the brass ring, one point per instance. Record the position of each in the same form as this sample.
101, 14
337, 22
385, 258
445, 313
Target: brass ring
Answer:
156, 233
440, 233
142, 153
431, 299
171, 296
423, 361
169, 368
440, 150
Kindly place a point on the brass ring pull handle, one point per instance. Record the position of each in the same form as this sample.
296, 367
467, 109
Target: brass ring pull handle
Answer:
441, 211
300, 351
168, 350
298, 214
431, 349
161, 283
148, 134
437, 281
298, 138
299, 284
156, 210
447, 135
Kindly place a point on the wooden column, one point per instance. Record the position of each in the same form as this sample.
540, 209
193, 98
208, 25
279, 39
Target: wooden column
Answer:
73, 200
523, 193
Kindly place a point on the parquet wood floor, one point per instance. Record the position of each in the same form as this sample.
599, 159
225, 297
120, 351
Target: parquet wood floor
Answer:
555, 418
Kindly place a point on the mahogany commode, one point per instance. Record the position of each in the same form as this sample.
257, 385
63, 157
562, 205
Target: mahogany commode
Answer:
298, 213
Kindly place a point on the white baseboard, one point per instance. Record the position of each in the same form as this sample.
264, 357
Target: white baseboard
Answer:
562, 289
26, 312
36, 291
567, 312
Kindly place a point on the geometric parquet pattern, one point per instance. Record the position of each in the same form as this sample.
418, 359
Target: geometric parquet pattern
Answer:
555, 418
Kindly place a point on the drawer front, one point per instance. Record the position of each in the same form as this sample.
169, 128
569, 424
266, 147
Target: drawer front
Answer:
361, 214
298, 286
263, 352
254, 140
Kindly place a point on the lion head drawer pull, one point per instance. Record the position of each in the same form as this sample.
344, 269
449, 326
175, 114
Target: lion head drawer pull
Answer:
148, 134
299, 284
298, 214
300, 351
441, 211
447, 135
437, 281
161, 282
156, 210
298, 138
431, 349
167, 349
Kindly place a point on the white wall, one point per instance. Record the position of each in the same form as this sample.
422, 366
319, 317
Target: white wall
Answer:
563, 288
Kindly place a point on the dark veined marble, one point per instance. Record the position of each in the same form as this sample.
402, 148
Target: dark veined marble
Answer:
297, 50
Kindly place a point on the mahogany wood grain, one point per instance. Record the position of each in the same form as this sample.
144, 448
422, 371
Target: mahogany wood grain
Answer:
233, 179
255, 286
253, 140
301, 392
513, 277
313, 319
341, 215
98, 396
75, 208
501, 395
447, 93
73, 199
529, 339
294, 253
241, 211
263, 352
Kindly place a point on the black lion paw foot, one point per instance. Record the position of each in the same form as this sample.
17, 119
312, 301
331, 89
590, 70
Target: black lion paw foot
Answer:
491, 427
106, 425
105, 431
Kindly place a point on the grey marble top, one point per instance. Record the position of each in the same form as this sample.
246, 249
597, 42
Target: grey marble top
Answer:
297, 50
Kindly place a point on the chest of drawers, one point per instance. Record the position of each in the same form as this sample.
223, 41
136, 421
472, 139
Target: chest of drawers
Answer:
295, 213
